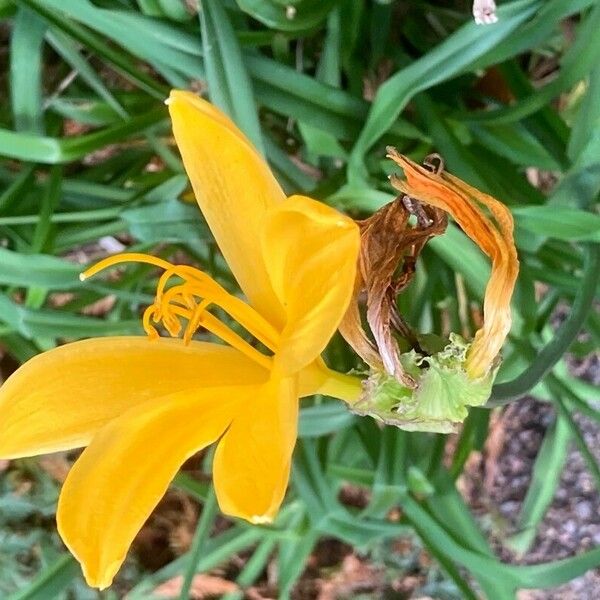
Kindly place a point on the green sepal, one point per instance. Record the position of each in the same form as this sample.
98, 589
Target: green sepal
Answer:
440, 399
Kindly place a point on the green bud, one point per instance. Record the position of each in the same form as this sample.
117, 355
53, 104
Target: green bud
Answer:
439, 401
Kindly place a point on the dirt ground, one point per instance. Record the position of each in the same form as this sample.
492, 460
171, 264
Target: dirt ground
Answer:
497, 486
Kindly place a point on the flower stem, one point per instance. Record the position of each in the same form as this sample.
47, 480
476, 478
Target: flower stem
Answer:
344, 387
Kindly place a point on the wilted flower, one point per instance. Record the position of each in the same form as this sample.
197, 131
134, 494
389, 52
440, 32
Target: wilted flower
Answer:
428, 388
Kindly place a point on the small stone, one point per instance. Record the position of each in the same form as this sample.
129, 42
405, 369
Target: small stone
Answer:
570, 527
583, 510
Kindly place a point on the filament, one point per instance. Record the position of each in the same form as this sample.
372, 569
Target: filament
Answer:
191, 300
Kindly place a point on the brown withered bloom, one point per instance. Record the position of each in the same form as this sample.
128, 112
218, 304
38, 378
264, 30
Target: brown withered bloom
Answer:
389, 247
416, 389
490, 225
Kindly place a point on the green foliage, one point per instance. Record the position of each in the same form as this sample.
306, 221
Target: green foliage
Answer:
82, 127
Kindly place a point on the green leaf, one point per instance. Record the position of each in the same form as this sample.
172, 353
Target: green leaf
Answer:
26, 71
296, 15
229, 85
48, 323
50, 582
560, 222
37, 269
170, 221
577, 62
323, 419
581, 183
451, 57
68, 50
544, 481
588, 113
198, 547
50, 150
464, 257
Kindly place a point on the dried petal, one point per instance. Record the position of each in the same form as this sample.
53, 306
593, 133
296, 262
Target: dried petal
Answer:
389, 250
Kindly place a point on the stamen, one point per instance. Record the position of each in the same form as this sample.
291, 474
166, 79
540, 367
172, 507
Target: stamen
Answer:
118, 259
212, 324
180, 301
150, 330
195, 320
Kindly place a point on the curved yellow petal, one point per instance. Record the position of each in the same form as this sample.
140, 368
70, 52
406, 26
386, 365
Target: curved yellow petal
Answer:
252, 461
61, 398
234, 188
120, 477
311, 252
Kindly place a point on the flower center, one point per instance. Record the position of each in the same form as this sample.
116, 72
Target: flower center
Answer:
190, 301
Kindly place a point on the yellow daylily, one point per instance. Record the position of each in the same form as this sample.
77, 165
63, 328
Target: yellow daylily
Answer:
143, 405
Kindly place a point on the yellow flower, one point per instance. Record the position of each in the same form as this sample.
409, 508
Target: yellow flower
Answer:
142, 406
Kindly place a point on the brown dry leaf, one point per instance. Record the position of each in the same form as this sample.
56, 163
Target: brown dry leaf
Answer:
100, 307
56, 465
203, 586
4, 464
493, 450
354, 577
376, 79
306, 168
168, 531
59, 299
256, 594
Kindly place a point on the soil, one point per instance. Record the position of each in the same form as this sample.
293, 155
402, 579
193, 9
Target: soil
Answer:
497, 481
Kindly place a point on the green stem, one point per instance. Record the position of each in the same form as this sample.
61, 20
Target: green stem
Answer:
546, 359
343, 387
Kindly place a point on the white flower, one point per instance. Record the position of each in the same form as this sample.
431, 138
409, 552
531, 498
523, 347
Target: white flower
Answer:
484, 12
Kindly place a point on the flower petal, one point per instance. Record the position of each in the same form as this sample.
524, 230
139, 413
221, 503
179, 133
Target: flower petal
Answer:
311, 252
234, 188
61, 398
120, 477
252, 462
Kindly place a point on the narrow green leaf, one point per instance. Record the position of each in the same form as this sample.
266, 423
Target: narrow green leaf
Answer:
26, 71
560, 222
292, 16
577, 62
68, 50
588, 114
51, 582
50, 150
37, 269
544, 481
545, 359
49, 203
205, 524
452, 56
229, 85
323, 419
581, 184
